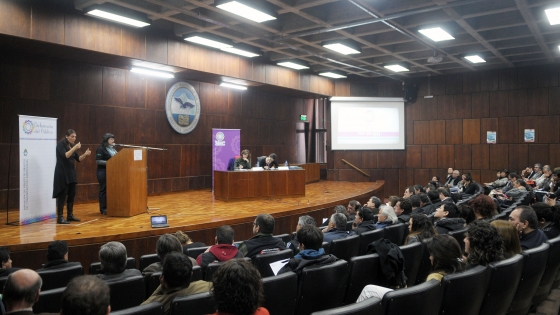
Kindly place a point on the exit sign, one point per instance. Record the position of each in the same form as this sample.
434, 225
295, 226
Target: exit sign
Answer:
303, 117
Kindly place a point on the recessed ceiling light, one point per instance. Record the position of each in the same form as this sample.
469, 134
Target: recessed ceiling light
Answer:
436, 34
207, 42
233, 86
396, 68
116, 18
558, 47
241, 52
151, 72
475, 59
553, 15
292, 65
332, 75
341, 48
246, 11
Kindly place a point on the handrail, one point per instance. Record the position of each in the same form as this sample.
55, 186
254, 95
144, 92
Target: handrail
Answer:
355, 167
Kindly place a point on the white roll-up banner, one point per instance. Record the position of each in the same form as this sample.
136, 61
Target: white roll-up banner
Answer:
37, 160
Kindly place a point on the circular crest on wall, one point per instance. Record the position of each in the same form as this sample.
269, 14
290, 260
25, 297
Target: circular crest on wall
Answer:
182, 107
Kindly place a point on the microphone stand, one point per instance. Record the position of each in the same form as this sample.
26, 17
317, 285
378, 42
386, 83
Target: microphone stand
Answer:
147, 150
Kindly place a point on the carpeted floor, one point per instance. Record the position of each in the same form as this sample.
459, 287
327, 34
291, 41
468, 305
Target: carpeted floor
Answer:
551, 306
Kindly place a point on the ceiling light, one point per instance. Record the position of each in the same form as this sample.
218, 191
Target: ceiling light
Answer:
396, 68
233, 86
553, 15
249, 12
558, 47
332, 74
341, 48
151, 72
475, 59
293, 65
112, 12
436, 34
207, 42
241, 52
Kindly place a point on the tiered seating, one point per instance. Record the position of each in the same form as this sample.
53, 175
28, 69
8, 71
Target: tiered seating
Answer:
95, 267
154, 308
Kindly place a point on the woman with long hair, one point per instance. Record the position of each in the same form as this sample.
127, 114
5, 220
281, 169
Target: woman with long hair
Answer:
483, 244
103, 153
510, 237
65, 179
483, 207
244, 161
420, 228
446, 256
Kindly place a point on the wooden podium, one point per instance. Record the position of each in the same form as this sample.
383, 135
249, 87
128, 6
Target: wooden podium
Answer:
127, 183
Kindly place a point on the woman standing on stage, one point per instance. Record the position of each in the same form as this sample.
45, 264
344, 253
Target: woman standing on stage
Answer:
65, 179
105, 151
244, 162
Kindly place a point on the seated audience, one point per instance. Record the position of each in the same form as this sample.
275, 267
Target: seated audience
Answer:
415, 202
364, 221
467, 186
444, 197
466, 213
420, 228
237, 289
21, 291
175, 281
374, 203
453, 182
501, 180
386, 217
113, 263
519, 188
448, 219
435, 181
525, 221
6, 262
167, 243
532, 174
418, 189
263, 241
336, 228
543, 182
548, 219
510, 238
187, 242
392, 201
425, 203
57, 256
337, 209
86, 295
483, 207
224, 249
403, 209
408, 191
302, 221
483, 244
353, 206
311, 253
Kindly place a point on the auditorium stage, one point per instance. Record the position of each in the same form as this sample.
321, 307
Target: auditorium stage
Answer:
195, 212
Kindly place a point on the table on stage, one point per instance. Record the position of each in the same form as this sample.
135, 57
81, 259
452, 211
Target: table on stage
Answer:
231, 185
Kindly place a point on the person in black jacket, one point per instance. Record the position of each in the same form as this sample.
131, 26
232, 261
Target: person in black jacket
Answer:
57, 256
448, 219
467, 186
263, 241
6, 267
105, 151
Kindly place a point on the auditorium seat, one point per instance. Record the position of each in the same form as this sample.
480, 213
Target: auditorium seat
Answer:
212, 267
59, 278
366, 307
95, 268
326, 247
146, 260
263, 261
349, 225
194, 304
195, 251
367, 238
503, 279
49, 301
2, 283
549, 275
424, 299
459, 235
280, 293
363, 270
412, 254
425, 264
463, 292
152, 283
534, 263
154, 308
345, 248
321, 287
284, 237
395, 233
127, 293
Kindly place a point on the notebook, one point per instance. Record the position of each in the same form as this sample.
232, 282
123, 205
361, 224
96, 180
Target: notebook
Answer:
159, 221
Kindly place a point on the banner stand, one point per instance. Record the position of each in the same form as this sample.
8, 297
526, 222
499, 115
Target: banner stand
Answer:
225, 145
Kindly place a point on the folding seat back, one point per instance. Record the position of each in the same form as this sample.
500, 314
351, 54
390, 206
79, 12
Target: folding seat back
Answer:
534, 264
49, 301
263, 261
345, 248
326, 247
194, 304
363, 270
367, 238
459, 235
284, 237
212, 267
366, 307
195, 251
154, 308
95, 268
59, 278
424, 299
503, 279
395, 233
425, 266
280, 293
474, 281
412, 258
127, 293
146, 260
550, 271
321, 287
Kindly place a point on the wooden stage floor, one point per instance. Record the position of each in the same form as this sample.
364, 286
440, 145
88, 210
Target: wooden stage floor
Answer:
187, 211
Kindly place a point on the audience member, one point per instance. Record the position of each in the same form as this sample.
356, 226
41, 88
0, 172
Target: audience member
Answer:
21, 291
364, 221
302, 221
519, 188
237, 289
57, 256
420, 228
408, 191
374, 203
532, 174
435, 181
510, 238
543, 182
425, 203
336, 228
86, 295
418, 189
393, 201
467, 186
262, 241
453, 182
386, 217
186, 241
511, 178
444, 197
448, 219
501, 180
337, 209
483, 244
466, 213
548, 219
311, 253
403, 209
6, 262
415, 202
525, 221
224, 249
113, 263
175, 281
353, 206
483, 207
167, 243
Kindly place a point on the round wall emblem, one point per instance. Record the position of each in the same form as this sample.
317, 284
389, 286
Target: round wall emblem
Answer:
28, 127
182, 107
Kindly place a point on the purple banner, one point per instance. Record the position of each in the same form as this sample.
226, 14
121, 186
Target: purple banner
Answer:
225, 146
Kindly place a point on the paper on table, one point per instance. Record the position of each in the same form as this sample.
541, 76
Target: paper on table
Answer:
277, 265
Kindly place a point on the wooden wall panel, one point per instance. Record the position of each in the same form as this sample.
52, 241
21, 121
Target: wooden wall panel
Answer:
548, 131
471, 131
508, 79
518, 156
537, 101
537, 153
554, 101
488, 124
409, 129
454, 131
135, 93
548, 75
445, 156
178, 55
480, 105
489, 80
421, 132
113, 86
463, 157
554, 155
499, 156
35, 79
517, 103
462, 104
64, 81
108, 38
271, 74
79, 31
454, 85
445, 107
15, 18
437, 131
10, 68
527, 78
48, 24
90, 84
508, 131
414, 156
471, 82
156, 48
429, 156
480, 156
385, 159
134, 43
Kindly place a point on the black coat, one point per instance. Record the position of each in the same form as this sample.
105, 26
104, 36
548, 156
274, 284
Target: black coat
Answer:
101, 154
446, 225
64, 171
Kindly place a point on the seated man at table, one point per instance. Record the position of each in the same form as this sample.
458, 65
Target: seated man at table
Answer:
57, 256
269, 162
263, 241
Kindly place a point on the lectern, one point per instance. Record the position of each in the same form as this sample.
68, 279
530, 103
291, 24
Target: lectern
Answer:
127, 183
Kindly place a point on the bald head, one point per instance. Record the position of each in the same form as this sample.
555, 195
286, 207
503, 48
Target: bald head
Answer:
22, 289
